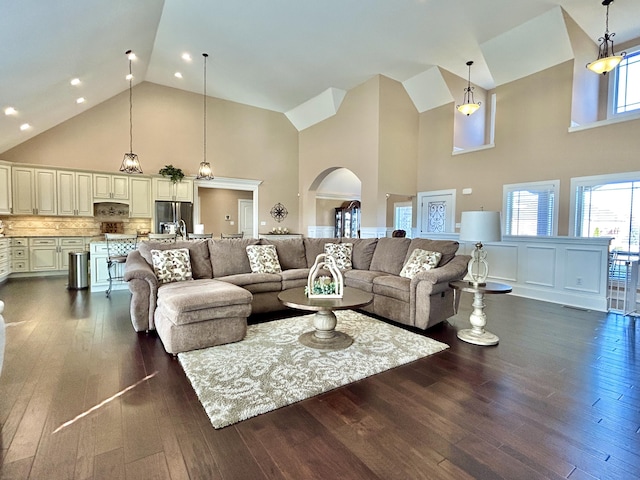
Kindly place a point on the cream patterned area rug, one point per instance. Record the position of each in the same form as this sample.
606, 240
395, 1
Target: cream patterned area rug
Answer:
270, 368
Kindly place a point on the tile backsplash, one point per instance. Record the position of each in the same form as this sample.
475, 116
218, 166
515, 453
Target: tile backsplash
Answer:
32, 226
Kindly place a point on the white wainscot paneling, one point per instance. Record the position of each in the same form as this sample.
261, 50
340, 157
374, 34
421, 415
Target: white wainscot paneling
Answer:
583, 270
503, 261
540, 265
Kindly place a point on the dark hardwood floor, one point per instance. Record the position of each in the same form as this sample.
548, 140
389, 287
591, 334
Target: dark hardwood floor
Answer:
559, 397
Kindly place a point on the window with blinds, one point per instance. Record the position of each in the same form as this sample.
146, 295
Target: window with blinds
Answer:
531, 208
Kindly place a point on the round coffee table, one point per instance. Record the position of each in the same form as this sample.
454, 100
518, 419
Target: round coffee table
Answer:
325, 336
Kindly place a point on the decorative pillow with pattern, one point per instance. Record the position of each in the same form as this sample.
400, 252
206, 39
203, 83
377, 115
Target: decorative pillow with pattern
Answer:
172, 265
341, 253
263, 259
420, 261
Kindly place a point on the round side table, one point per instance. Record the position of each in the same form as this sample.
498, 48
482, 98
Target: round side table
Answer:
477, 334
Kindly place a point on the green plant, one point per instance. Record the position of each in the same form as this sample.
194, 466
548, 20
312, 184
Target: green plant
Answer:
176, 174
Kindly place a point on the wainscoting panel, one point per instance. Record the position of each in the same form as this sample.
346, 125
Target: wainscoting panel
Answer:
585, 268
502, 259
538, 261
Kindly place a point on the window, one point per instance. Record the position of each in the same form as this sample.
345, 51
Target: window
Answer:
402, 216
531, 208
608, 206
625, 84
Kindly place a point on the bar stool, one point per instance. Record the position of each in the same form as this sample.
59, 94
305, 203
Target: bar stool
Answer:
118, 247
163, 237
197, 236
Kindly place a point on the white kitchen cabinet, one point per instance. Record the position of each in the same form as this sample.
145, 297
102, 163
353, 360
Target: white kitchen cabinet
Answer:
48, 254
34, 191
140, 193
110, 187
165, 189
5, 188
99, 272
19, 254
75, 193
5, 265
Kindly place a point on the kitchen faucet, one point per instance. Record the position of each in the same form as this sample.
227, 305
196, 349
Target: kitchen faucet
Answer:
183, 229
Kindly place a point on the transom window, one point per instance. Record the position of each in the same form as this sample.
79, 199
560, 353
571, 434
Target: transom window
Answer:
531, 208
625, 84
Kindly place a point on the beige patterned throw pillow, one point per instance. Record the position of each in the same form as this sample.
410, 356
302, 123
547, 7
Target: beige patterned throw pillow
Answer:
420, 261
172, 265
341, 253
263, 259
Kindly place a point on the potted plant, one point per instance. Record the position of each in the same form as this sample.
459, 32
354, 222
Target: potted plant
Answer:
175, 174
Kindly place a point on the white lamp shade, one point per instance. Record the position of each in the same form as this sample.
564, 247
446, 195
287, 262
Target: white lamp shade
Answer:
480, 227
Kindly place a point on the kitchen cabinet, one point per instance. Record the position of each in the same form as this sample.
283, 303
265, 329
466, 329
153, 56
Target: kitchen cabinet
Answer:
19, 254
99, 272
5, 266
5, 188
140, 193
110, 187
34, 191
75, 193
165, 189
52, 253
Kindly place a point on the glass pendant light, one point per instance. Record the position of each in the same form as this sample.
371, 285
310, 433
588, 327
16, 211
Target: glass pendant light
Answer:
130, 162
607, 60
205, 172
469, 104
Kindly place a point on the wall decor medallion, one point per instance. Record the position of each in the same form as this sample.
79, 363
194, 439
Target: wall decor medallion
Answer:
278, 212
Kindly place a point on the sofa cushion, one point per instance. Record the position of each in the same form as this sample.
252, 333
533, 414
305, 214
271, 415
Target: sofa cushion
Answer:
263, 259
390, 255
447, 248
198, 255
314, 247
392, 286
229, 256
341, 253
171, 265
255, 282
295, 277
290, 252
361, 279
362, 253
420, 261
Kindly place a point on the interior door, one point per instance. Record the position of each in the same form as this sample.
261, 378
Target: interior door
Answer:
245, 217
437, 212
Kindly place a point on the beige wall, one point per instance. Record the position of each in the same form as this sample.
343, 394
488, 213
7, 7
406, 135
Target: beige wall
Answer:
326, 211
242, 141
215, 203
532, 143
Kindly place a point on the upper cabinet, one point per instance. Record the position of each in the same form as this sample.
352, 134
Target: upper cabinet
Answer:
110, 187
75, 193
5, 189
34, 191
140, 205
165, 189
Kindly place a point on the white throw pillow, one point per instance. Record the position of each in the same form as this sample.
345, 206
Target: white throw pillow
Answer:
341, 253
263, 259
172, 265
420, 261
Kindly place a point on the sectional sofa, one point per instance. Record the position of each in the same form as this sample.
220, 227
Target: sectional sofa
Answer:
212, 307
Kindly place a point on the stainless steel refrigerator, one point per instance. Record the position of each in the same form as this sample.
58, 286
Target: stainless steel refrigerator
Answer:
170, 215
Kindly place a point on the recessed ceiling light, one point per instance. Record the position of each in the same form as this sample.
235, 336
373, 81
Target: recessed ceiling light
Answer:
80, 100
10, 111
25, 126
75, 81
177, 75
186, 57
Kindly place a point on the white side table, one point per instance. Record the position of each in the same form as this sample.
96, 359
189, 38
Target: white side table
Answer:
477, 334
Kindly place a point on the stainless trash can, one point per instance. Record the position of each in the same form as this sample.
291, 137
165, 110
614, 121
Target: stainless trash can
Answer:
78, 270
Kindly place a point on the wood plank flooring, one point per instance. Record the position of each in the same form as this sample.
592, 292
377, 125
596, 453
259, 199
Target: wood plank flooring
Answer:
559, 397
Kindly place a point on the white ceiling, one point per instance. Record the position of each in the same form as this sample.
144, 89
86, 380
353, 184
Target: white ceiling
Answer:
274, 54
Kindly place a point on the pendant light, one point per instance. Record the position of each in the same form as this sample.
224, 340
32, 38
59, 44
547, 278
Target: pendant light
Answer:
205, 172
130, 162
607, 60
468, 104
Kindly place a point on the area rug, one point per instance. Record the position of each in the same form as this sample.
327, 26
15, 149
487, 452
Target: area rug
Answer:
270, 368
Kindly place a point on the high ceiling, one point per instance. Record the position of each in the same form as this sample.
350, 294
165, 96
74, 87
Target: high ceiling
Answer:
274, 54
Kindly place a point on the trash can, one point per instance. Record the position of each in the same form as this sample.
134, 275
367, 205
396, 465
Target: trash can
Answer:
78, 270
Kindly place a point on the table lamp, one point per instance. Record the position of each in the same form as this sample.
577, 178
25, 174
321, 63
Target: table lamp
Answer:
479, 227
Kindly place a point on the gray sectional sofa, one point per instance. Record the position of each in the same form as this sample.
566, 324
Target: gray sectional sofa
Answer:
212, 308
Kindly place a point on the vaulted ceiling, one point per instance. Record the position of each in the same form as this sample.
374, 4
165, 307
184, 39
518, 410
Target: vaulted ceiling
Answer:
278, 54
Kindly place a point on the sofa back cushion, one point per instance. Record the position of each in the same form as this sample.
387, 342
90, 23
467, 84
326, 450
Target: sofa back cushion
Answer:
363, 249
314, 247
229, 256
447, 248
198, 254
390, 255
290, 252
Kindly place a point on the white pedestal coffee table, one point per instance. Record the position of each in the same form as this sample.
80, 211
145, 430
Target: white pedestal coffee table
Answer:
325, 336
477, 334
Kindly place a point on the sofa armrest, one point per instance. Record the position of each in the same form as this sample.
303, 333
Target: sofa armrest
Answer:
453, 270
143, 285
